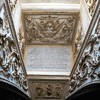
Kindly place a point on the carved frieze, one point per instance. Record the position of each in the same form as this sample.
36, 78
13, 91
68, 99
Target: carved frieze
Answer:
49, 28
48, 89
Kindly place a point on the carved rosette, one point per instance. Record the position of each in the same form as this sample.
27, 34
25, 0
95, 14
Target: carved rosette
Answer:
11, 68
88, 68
50, 29
91, 4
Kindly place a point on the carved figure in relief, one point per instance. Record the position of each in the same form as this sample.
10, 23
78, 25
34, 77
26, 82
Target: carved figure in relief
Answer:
49, 90
39, 90
58, 91
21, 42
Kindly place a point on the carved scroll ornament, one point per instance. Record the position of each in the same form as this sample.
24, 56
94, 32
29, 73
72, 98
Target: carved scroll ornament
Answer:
88, 68
49, 29
10, 66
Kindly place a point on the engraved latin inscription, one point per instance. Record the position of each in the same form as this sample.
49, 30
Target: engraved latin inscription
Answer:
48, 58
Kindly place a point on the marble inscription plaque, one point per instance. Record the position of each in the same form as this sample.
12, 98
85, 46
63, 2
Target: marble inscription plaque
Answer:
48, 58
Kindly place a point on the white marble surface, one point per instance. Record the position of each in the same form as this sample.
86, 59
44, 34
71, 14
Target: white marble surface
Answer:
50, 7
51, 1
85, 18
48, 58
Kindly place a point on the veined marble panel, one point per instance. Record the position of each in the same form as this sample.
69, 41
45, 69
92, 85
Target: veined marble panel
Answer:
48, 58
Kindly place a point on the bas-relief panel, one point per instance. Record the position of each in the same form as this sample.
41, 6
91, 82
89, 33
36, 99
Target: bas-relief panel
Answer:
48, 58
47, 90
49, 28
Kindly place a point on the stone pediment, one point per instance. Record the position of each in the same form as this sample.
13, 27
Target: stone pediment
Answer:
49, 28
